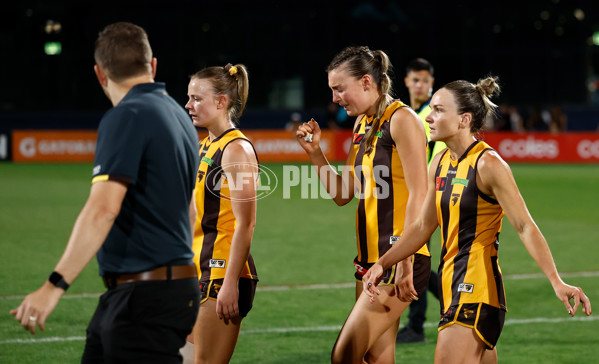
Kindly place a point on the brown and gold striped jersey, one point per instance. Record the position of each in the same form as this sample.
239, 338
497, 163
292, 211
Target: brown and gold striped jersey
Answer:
470, 223
215, 222
383, 194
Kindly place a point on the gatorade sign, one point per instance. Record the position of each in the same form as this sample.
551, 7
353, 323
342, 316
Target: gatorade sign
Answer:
53, 146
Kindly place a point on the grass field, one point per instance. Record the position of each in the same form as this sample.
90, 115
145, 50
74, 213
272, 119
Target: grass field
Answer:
303, 250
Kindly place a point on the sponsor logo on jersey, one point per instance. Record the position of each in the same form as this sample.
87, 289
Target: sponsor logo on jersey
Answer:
466, 287
460, 181
207, 160
379, 134
393, 239
217, 263
440, 183
358, 138
96, 169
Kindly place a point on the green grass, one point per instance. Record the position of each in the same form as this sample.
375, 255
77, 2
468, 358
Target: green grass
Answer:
298, 243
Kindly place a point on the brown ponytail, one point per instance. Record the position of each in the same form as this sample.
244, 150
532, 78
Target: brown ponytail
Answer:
360, 61
232, 81
475, 99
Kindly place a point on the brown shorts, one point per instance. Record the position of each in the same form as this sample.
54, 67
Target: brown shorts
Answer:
422, 270
486, 320
247, 291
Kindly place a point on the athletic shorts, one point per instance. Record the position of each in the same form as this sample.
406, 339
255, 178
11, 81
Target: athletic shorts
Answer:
421, 268
247, 291
486, 320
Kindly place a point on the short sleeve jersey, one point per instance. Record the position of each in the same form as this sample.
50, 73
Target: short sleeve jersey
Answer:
380, 180
148, 142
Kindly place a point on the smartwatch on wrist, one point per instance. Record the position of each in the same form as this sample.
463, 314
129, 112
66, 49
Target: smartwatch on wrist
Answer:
57, 280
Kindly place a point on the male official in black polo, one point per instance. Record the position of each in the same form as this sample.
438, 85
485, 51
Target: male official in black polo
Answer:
136, 217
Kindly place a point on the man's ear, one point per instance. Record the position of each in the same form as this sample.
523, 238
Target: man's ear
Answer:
154, 64
102, 77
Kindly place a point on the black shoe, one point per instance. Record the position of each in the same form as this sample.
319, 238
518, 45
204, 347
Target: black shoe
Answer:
408, 335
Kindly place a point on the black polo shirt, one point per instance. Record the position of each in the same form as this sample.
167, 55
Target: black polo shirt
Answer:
148, 142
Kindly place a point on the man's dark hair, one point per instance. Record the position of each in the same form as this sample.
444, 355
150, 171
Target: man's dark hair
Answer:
123, 51
420, 64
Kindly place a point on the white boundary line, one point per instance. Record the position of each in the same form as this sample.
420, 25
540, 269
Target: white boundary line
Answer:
319, 286
283, 330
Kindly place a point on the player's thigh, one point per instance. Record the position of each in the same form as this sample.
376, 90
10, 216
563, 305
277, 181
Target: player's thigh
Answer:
369, 320
214, 338
458, 344
383, 349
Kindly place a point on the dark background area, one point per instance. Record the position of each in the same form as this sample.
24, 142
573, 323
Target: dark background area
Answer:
542, 52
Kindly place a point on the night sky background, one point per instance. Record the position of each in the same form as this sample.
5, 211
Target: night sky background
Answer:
541, 50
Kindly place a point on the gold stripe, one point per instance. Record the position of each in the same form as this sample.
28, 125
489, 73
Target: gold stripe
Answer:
480, 305
100, 178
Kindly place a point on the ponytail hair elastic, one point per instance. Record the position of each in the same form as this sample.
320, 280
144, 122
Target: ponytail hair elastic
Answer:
231, 69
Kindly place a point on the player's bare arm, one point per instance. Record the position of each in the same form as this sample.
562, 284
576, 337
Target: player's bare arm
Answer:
89, 232
241, 168
339, 186
497, 180
415, 235
408, 134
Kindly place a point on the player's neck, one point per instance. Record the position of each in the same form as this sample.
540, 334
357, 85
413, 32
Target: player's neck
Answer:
217, 129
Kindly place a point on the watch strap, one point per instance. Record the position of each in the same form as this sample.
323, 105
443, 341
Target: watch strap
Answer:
57, 280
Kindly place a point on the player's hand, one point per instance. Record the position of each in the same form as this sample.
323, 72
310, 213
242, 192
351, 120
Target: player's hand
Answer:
303, 131
37, 306
371, 279
567, 293
227, 306
404, 281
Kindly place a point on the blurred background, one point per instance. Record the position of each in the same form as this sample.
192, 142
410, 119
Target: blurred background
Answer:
546, 54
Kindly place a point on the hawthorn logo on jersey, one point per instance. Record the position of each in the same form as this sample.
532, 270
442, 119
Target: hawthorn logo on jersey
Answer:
466, 287
460, 181
454, 198
393, 239
207, 160
358, 138
217, 263
200, 176
440, 183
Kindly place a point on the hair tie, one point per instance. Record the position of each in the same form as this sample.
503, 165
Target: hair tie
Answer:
232, 69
